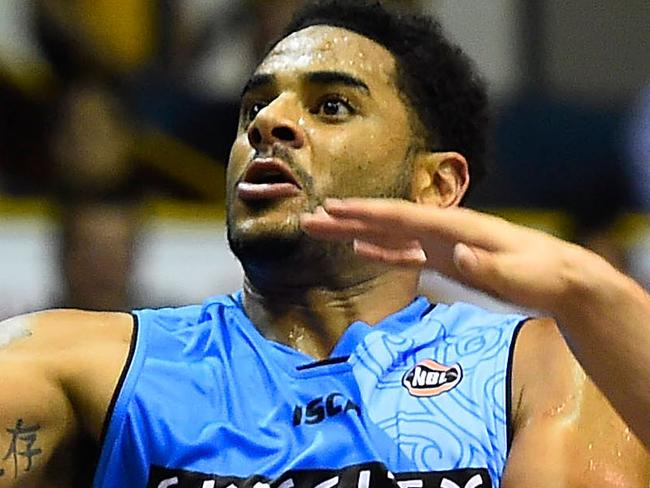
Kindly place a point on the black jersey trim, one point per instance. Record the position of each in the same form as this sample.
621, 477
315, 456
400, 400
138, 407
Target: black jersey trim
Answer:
120, 383
429, 309
511, 357
322, 362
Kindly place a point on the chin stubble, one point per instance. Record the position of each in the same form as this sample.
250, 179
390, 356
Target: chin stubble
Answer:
293, 245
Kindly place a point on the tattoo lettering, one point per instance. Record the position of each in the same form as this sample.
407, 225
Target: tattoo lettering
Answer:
21, 447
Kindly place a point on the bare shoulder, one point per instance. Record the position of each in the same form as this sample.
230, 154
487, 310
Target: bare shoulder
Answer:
542, 360
63, 329
84, 352
58, 373
565, 431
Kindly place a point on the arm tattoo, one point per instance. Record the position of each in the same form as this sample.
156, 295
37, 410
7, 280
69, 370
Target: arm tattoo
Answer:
23, 437
13, 329
22, 448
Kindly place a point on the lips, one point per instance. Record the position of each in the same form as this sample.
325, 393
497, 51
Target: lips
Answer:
266, 179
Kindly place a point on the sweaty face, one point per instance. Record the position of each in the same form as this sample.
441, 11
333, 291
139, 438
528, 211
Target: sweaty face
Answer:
321, 117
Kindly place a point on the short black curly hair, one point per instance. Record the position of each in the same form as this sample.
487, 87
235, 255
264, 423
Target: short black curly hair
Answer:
438, 79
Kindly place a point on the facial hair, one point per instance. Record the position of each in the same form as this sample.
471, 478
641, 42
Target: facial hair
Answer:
286, 238
288, 244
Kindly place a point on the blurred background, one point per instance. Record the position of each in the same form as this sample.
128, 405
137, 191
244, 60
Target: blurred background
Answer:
116, 118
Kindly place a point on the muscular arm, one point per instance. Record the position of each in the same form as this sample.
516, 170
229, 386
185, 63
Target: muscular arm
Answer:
605, 314
565, 433
607, 322
35, 415
47, 361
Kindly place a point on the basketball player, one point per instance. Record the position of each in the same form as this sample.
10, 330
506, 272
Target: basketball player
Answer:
327, 370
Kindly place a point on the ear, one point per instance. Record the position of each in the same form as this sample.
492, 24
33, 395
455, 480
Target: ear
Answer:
440, 179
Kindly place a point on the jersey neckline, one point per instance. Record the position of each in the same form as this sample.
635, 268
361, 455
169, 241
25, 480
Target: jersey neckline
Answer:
300, 364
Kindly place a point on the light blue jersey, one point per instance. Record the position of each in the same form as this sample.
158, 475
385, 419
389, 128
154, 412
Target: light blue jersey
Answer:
419, 400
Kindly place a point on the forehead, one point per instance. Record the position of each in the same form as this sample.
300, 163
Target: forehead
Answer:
323, 48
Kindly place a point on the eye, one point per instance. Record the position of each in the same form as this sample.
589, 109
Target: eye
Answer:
254, 109
334, 107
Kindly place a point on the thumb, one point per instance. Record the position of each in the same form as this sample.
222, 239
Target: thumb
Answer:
475, 265
500, 276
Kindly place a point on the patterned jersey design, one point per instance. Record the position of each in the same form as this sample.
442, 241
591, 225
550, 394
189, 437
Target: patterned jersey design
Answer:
416, 400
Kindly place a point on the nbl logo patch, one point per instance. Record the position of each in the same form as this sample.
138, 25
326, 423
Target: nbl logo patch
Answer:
429, 378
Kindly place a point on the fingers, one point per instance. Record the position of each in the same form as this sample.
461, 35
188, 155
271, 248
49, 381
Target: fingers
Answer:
398, 232
477, 267
505, 260
409, 254
425, 221
412, 256
387, 213
466, 259
482, 251
369, 241
480, 269
325, 226
510, 277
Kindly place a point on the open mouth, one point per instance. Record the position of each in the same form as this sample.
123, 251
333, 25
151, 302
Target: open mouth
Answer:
268, 178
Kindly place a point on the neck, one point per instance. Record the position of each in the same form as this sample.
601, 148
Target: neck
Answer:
311, 319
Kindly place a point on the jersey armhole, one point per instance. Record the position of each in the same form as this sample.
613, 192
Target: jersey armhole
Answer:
119, 401
511, 357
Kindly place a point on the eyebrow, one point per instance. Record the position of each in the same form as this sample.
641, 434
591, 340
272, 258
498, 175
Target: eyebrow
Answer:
264, 80
337, 78
258, 82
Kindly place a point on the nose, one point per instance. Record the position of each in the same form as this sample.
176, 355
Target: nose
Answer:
273, 125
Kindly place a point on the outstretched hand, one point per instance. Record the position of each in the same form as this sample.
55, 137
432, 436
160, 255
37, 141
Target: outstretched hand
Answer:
514, 263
